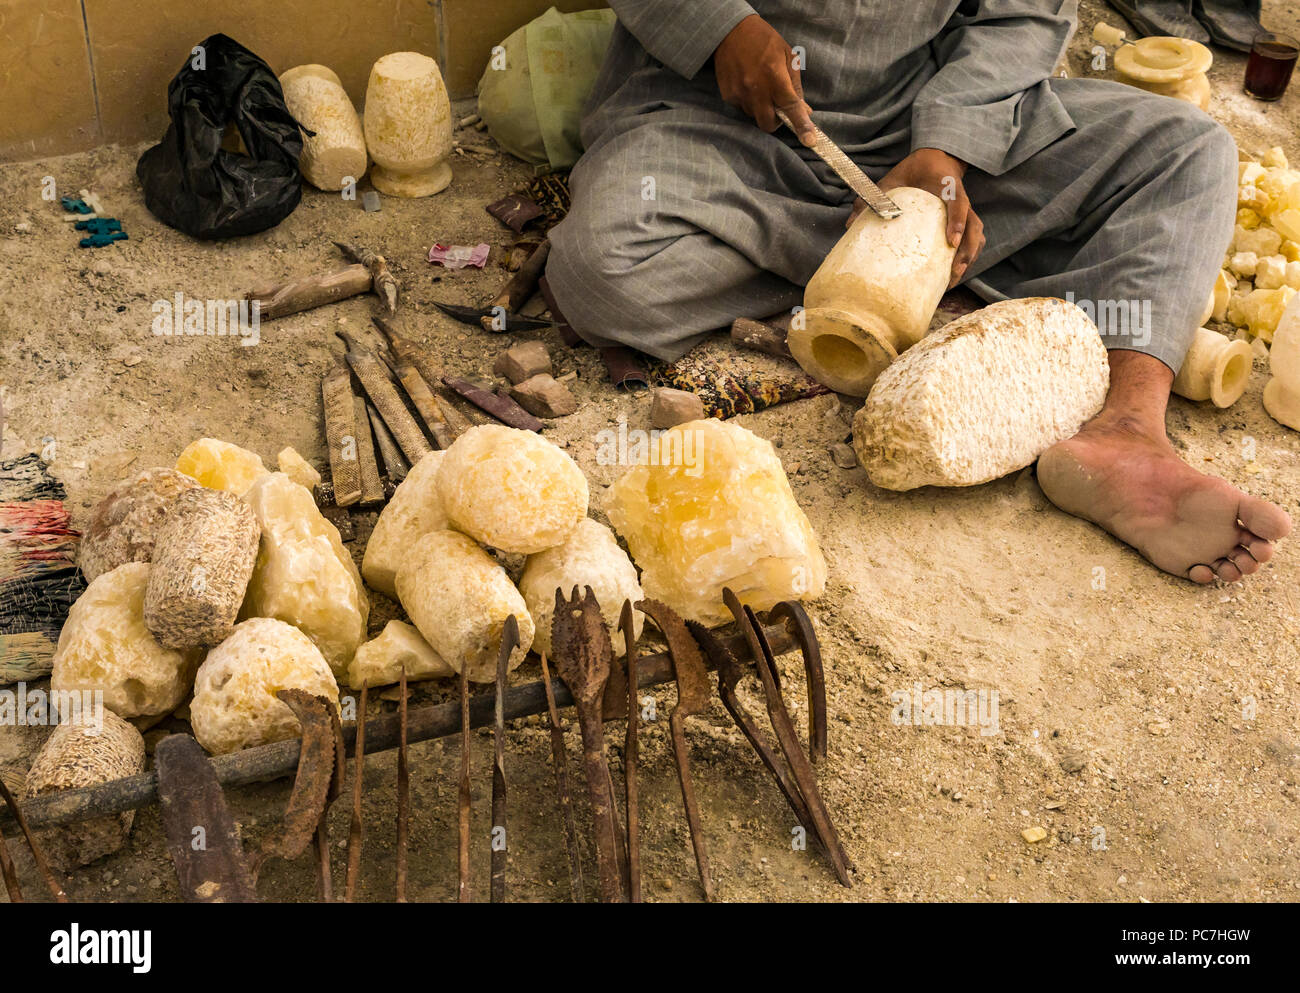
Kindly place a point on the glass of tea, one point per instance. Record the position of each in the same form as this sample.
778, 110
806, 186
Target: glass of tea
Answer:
1268, 71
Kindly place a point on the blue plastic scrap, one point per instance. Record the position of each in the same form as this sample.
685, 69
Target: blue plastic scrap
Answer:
75, 205
103, 231
100, 240
99, 225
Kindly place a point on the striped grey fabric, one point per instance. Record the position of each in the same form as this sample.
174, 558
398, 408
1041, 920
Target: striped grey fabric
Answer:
686, 215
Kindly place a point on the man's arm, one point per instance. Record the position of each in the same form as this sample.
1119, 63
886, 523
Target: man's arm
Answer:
682, 34
994, 57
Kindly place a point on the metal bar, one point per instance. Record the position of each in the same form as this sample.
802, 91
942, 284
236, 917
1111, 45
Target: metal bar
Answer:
38, 855
509, 641
403, 790
464, 797
560, 760
280, 759
354, 831
216, 871
626, 624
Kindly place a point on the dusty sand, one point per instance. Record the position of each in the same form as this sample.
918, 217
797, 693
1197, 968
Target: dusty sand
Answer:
1150, 726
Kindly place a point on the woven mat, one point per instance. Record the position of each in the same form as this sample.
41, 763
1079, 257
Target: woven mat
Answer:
39, 579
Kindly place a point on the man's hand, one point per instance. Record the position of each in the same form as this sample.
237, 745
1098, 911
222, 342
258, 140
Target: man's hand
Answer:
756, 72
939, 173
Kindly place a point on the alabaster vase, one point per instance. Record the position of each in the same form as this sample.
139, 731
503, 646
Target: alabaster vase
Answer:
408, 126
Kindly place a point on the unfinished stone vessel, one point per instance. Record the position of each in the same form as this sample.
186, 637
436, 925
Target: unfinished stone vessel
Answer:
106, 646
379, 662
125, 524
590, 557
711, 508
408, 126
200, 569
336, 153
1282, 394
235, 701
1216, 368
1171, 67
414, 510
875, 294
459, 597
85, 752
303, 574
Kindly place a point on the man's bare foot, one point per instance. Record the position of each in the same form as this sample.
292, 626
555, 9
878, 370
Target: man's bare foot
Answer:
1121, 473
1138, 489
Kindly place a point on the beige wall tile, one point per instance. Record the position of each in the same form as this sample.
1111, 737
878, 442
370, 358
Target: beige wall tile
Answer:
474, 26
49, 104
139, 45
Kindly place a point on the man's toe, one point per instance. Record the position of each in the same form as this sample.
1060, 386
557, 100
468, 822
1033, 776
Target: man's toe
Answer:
1227, 571
1202, 574
1264, 519
1246, 563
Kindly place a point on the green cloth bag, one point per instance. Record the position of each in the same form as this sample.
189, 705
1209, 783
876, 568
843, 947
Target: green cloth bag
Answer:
532, 93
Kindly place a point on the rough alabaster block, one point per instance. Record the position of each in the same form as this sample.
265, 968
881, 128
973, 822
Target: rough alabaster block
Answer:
1261, 310
1287, 223
85, 752
712, 508
983, 396
408, 126
590, 557
297, 468
1282, 394
459, 597
414, 511
1261, 242
125, 523
1244, 264
336, 154
220, 465
379, 661
511, 489
1270, 272
304, 576
106, 646
235, 704
200, 568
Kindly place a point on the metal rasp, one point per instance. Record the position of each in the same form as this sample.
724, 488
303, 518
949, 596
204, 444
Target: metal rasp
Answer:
340, 435
856, 180
435, 410
382, 393
394, 464
425, 402
372, 489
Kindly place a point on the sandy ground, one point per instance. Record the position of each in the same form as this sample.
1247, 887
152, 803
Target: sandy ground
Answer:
1150, 726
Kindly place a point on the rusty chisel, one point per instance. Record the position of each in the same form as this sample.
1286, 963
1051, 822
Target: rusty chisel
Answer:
382, 393
413, 370
193, 806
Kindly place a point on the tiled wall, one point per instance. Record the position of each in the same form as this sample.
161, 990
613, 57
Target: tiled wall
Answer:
79, 73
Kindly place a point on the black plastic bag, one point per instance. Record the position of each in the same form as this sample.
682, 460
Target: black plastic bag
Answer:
190, 182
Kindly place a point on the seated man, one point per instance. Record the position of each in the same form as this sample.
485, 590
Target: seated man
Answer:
691, 208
